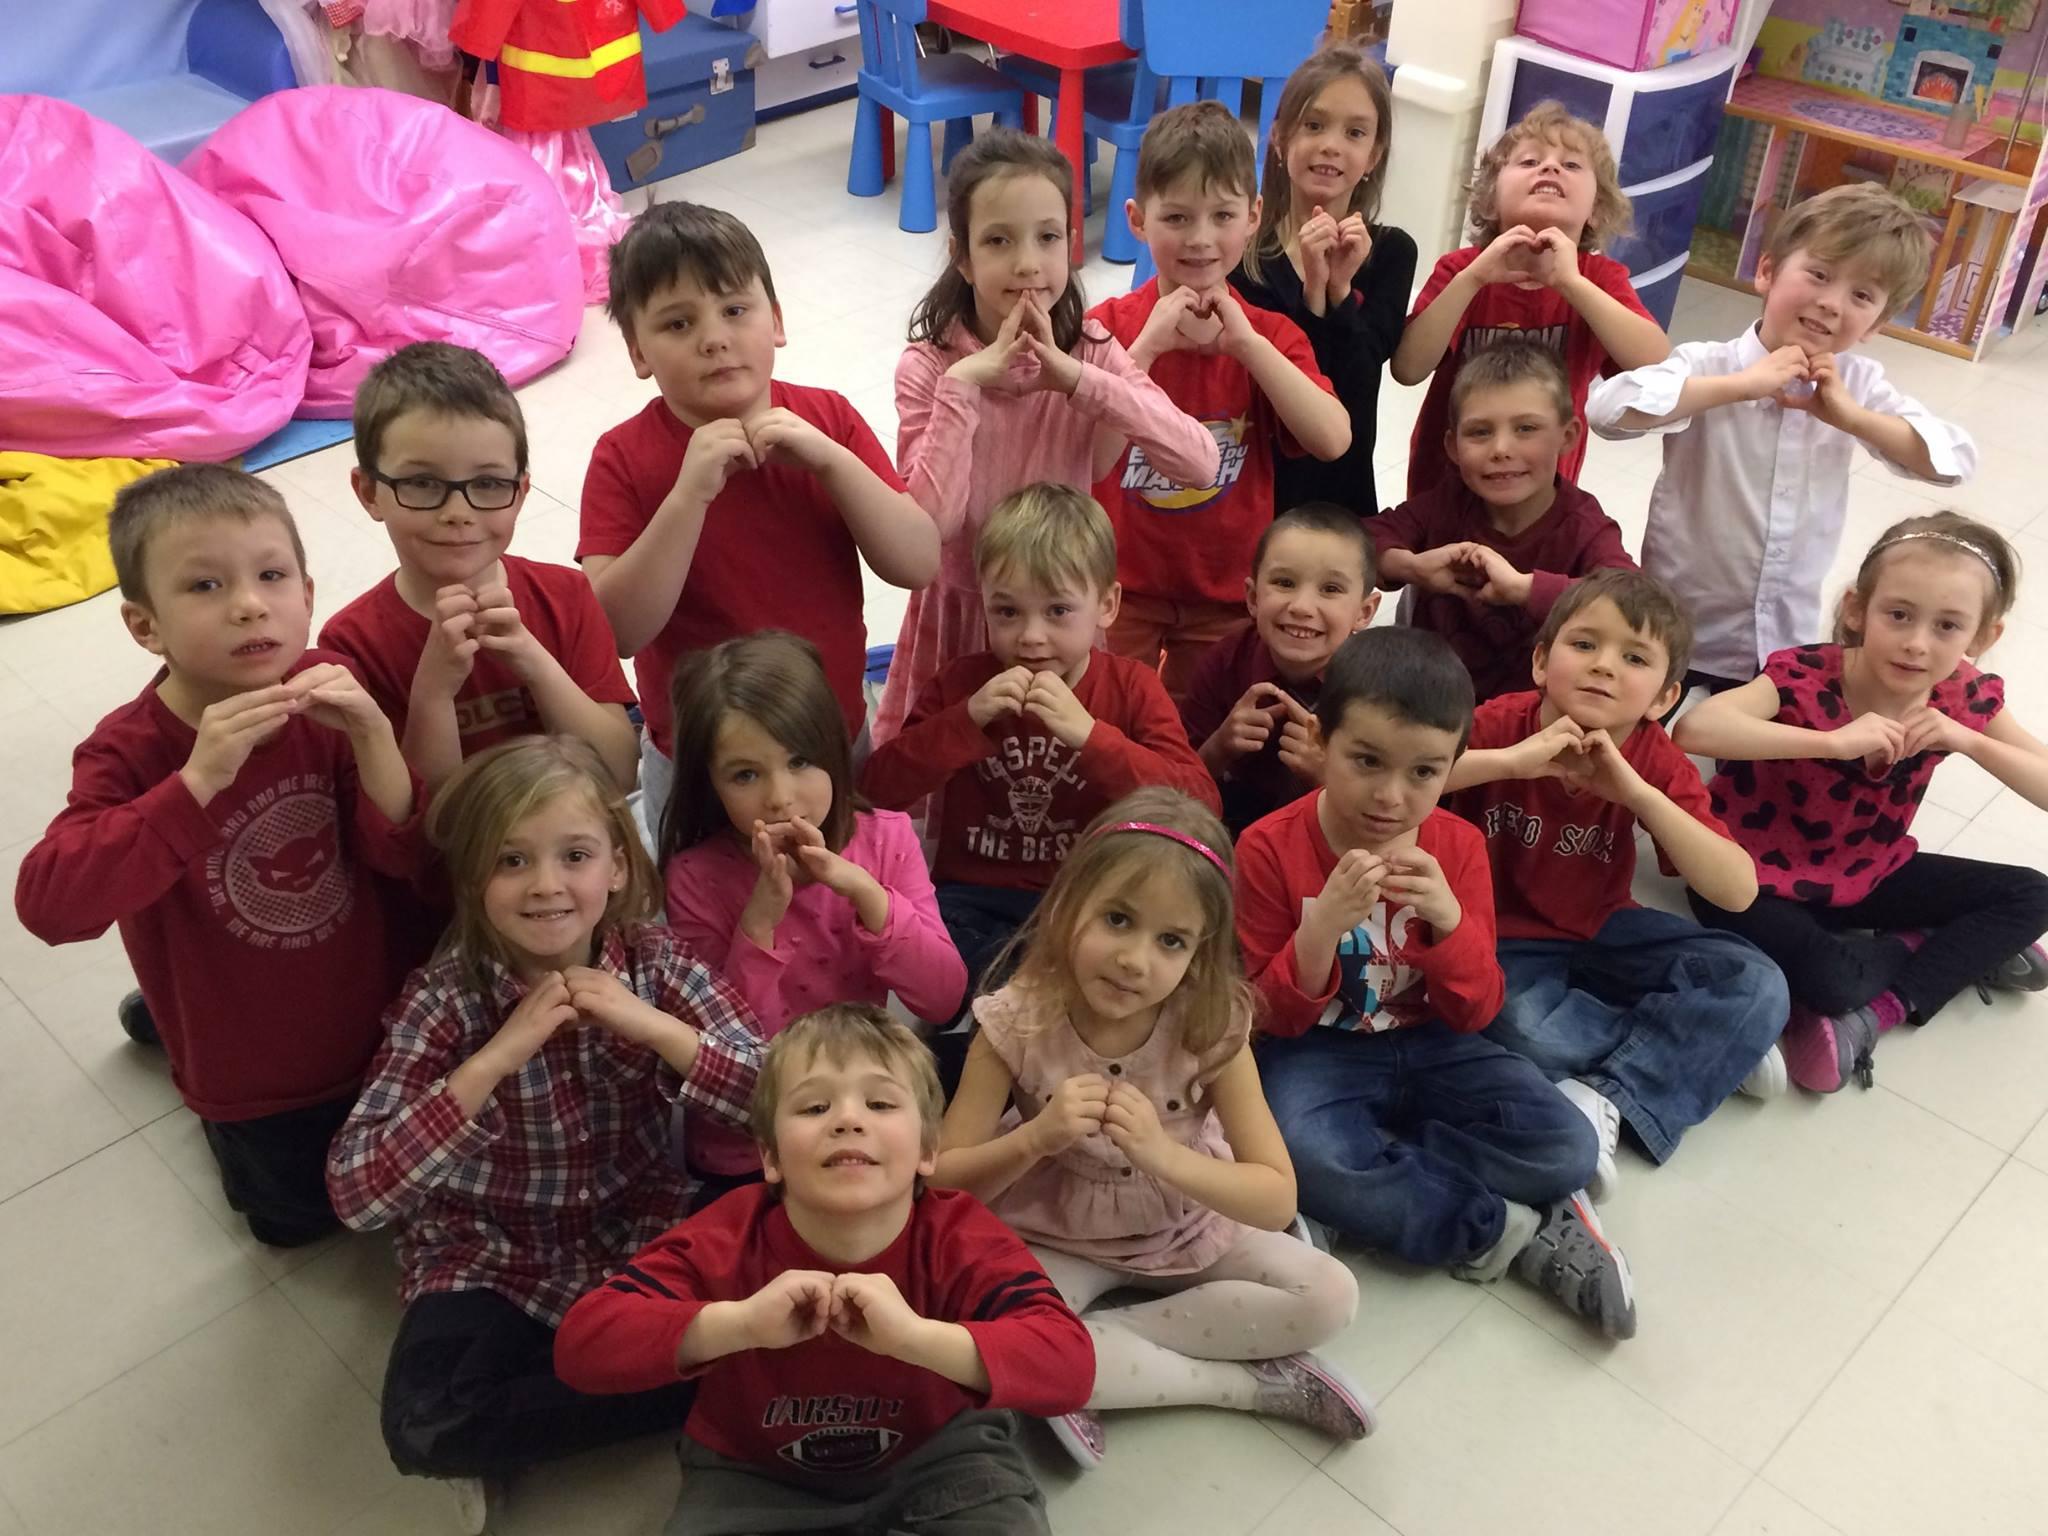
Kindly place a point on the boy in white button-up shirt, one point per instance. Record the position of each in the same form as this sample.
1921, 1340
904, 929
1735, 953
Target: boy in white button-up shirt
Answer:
1759, 431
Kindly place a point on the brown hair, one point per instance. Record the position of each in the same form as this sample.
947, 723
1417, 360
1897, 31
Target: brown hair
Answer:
672, 241
1050, 534
998, 153
1203, 137
183, 493
490, 794
1863, 225
1647, 605
1938, 532
1105, 865
439, 377
1507, 363
1553, 124
776, 680
1321, 517
841, 1032
1331, 62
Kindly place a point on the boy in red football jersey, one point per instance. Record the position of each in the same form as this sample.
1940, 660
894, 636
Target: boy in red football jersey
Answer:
864, 1342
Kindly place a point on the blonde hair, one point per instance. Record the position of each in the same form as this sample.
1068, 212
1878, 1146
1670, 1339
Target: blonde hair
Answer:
1863, 226
1553, 124
1204, 137
1050, 534
776, 680
1939, 532
476, 809
1332, 62
1106, 864
842, 1032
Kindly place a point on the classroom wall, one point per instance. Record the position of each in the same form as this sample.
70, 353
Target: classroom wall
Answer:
82, 45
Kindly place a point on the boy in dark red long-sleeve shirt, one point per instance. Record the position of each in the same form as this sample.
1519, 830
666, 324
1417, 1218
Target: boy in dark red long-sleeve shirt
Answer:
1022, 744
1489, 549
228, 820
1366, 916
864, 1343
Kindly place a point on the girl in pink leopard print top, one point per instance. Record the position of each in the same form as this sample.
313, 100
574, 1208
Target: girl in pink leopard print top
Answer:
1825, 760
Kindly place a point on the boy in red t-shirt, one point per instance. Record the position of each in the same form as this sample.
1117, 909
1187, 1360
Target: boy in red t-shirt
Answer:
1641, 1017
1366, 917
864, 1343
228, 819
1250, 709
734, 502
1250, 374
1487, 552
1545, 198
1022, 744
465, 646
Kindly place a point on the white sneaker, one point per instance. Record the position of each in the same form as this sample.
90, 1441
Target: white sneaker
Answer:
1767, 1078
472, 1505
1606, 1122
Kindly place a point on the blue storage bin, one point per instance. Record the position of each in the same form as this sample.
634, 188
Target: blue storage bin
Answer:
1658, 290
1679, 131
1664, 217
700, 104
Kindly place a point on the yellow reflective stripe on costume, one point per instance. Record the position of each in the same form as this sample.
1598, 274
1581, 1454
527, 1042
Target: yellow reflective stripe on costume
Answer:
571, 69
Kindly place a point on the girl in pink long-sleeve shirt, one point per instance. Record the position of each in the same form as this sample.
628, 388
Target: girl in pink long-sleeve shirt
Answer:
1004, 384
778, 875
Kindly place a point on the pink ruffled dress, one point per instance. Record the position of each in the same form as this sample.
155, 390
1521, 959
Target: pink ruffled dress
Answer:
1089, 1201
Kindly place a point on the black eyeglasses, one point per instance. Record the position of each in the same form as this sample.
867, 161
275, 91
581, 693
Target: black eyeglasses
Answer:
429, 493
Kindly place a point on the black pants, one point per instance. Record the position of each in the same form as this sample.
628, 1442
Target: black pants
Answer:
471, 1391
980, 920
1975, 916
274, 1171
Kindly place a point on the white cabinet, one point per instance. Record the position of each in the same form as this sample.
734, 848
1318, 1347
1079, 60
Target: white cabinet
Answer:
813, 49
798, 26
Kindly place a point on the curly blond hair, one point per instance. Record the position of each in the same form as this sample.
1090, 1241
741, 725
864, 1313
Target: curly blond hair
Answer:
1550, 123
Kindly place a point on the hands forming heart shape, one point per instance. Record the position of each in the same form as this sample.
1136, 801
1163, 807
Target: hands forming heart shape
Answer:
1200, 326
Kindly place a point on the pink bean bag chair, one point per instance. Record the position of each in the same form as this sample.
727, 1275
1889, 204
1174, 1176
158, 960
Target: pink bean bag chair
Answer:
400, 221
140, 317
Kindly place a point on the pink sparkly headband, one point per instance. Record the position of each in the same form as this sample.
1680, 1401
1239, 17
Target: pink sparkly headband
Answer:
1179, 837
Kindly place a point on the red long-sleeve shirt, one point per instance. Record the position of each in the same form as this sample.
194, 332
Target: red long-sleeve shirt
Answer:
256, 929
1390, 971
828, 1406
1013, 797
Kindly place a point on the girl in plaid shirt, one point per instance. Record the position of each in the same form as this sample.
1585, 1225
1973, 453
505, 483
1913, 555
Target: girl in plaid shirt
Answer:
515, 1120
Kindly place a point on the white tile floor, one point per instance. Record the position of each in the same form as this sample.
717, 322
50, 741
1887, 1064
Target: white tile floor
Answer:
1842, 1327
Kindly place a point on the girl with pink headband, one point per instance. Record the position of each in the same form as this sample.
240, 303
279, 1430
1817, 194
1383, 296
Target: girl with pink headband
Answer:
1111, 1112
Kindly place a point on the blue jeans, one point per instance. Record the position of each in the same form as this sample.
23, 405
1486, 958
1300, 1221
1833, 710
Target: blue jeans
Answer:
1410, 1140
1662, 1016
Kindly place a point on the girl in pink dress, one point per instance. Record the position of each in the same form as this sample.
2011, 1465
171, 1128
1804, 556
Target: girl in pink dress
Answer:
1004, 383
1111, 1113
779, 877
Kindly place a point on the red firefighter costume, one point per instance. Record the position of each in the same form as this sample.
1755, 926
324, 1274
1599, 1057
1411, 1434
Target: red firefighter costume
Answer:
562, 64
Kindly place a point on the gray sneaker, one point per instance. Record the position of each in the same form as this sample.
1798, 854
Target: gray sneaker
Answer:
1306, 1390
2026, 971
1315, 1233
1571, 1257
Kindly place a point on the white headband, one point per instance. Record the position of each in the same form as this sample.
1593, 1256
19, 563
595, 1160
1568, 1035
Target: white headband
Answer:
1991, 565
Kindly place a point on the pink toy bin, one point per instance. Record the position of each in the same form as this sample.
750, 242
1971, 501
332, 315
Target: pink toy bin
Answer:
1629, 34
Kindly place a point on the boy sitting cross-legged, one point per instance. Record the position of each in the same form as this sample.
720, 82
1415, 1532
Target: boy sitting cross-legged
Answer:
1641, 1016
1366, 915
865, 1343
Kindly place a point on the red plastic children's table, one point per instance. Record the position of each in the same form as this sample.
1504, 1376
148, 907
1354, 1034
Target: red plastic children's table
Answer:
1070, 35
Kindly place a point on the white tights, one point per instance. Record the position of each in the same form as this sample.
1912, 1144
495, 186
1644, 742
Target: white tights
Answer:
1270, 1295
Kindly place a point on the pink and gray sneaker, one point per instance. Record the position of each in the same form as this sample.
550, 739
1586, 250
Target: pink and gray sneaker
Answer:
1081, 1436
1311, 1391
1823, 1051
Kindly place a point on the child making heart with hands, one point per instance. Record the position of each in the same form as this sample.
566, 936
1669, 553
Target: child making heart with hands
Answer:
1004, 383
515, 1121
779, 876
1111, 1113
1321, 261
1825, 759
1544, 199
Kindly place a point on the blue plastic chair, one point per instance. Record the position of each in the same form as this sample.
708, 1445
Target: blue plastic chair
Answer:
951, 89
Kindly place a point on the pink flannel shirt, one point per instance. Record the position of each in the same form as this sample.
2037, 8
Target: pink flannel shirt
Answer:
564, 1173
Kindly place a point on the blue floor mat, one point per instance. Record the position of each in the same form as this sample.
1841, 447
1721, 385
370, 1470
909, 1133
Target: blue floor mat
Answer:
294, 440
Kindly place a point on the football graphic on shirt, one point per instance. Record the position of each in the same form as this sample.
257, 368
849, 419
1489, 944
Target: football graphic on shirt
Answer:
841, 1448
284, 872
